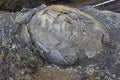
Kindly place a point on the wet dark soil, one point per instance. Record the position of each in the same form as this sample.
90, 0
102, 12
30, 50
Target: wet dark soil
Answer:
17, 5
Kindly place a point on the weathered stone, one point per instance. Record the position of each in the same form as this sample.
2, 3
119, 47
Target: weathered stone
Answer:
106, 38
60, 35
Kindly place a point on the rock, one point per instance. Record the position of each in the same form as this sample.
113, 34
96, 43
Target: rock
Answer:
106, 38
59, 35
59, 32
110, 20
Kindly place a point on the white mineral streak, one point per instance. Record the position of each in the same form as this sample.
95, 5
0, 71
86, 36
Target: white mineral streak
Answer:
61, 33
103, 3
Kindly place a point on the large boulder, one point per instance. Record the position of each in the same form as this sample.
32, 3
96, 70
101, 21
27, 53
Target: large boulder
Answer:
59, 35
65, 34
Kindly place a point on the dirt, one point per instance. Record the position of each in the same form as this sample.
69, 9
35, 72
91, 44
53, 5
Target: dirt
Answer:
55, 73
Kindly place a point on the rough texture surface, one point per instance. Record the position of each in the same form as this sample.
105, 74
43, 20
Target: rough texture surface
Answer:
111, 6
85, 38
62, 33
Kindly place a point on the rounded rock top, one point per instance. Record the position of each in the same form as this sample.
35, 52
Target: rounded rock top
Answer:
65, 34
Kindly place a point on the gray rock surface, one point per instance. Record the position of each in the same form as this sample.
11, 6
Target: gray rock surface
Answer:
61, 32
60, 35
